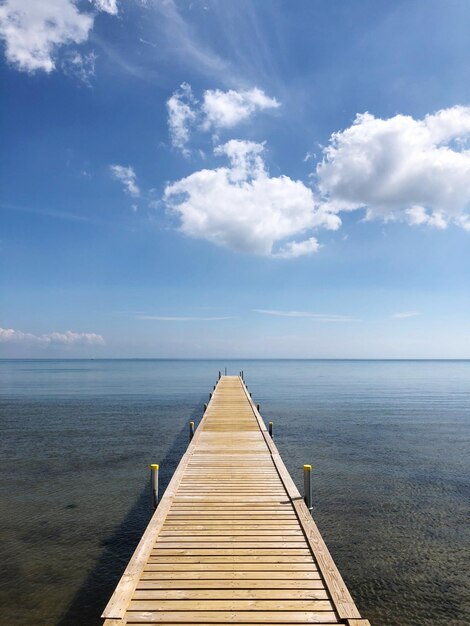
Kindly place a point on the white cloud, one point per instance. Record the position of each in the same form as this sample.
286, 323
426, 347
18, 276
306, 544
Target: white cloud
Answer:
242, 208
179, 39
405, 315
82, 66
108, 6
293, 249
401, 168
9, 335
225, 109
34, 30
162, 318
417, 215
464, 222
71, 338
318, 317
180, 116
127, 176
219, 109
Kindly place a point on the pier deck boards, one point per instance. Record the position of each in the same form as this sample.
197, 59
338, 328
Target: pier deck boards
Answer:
232, 540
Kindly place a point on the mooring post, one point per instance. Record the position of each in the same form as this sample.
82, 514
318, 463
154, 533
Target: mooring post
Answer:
257, 407
270, 429
308, 486
205, 408
251, 395
191, 430
210, 396
220, 375
154, 476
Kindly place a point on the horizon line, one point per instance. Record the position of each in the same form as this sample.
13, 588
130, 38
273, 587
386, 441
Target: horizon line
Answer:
118, 358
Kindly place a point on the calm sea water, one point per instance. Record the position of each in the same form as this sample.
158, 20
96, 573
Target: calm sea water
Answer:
389, 442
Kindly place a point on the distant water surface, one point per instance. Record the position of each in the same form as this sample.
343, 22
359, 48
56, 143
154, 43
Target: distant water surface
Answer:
389, 442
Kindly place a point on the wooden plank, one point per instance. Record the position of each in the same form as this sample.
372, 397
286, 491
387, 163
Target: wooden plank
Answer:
272, 558
230, 567
235, 575
224, 617
233, 542
321, 623
231, 533
274, 524
228, 549
238, 623
229, 605
343, 601
231, 583
230, 594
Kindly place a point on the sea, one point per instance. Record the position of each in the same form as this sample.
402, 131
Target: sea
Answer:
388, 440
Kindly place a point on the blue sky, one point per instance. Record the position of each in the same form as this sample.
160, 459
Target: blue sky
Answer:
235, 179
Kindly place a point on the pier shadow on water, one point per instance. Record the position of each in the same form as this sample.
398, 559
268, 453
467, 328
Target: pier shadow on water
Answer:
91, 599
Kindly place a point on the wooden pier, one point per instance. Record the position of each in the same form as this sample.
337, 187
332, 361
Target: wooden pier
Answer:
232, 540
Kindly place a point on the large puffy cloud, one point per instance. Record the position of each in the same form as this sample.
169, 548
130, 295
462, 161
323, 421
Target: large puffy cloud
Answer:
69, 338
242, 208
401, 168
33, 30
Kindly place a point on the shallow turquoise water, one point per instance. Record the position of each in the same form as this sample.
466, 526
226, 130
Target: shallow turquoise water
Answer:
389, 442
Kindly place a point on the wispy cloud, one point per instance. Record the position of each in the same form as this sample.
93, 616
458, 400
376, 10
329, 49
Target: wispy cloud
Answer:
180, 38
177, 318
62, 215
404, 315
318, 317
180, 116
127, 176
82, 66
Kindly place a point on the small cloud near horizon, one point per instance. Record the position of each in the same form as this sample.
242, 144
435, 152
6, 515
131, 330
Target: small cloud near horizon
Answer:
68, 338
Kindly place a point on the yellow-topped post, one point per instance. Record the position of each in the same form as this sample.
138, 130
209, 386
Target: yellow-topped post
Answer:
154, 480
308, 486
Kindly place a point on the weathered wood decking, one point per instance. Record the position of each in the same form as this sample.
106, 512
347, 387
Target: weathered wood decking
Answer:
232, 540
